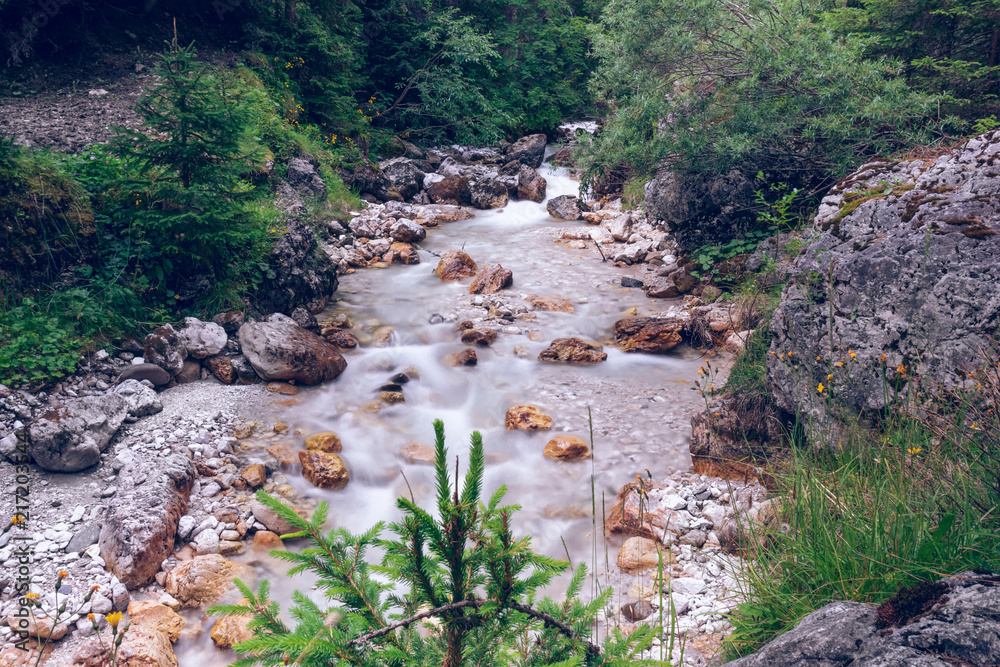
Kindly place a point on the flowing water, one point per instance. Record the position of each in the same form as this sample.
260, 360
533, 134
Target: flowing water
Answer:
640, 403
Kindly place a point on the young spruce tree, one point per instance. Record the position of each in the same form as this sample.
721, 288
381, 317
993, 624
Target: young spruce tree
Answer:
462, 567
187, 166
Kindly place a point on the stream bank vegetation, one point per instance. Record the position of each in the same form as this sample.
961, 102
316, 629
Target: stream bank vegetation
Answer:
452, 589
871, 506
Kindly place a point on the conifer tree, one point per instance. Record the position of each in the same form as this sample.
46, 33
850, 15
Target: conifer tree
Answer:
462, 567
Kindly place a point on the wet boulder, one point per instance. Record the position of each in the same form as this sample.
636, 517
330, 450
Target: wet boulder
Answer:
653, 335
324, 470
151, 372
466, 357
566, 448
205, 580
279, 349
491, 280
404, 175
527, 418
165, 348
530, 185
405, 230
454, 190
71, 436
482, 337
564, 207
455, 265
529, 150
487, 191
574, 351
140, 526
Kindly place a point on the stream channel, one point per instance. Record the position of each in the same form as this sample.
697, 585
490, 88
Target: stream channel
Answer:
640, 404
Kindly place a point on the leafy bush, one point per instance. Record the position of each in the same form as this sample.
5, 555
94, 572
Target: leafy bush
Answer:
704, 86
462, 569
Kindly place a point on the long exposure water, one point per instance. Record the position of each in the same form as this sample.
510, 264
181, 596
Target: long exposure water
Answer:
640, 404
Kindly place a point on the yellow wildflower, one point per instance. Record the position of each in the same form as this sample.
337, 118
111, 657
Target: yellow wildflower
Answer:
914, 450
839, 363
829, 377
114, 619
901, 368
31, 596
853, 356
820, 387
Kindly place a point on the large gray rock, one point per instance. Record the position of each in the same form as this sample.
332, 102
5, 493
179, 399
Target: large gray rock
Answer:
488, 191
71, 436
962, 628
565, 207
142, 400
165, 348
529, 150
203, 339
530, 184
304, 274
905, 262
369, 179
407, 177
700, 209
407, 231
279, 349
304, 180
139, 527
150, 372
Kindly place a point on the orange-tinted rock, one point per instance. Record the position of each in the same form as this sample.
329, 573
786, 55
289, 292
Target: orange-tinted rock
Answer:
654, 335
255, 475
452, 190
553, 303
639, 554
466, 357
345, 340
283, 453
205, 580
282, 388
231, 630
324, 442
324, 470
481, 337
527, 418
402, 253
392, 397
574, 351
221, 368
491, 279
567, 448
153, 614
455, 265
417, 452
265, 540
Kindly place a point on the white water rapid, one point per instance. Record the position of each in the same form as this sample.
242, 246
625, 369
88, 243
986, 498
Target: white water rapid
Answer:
640, 403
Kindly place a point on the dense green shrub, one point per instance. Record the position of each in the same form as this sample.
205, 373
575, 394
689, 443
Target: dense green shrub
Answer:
704, 86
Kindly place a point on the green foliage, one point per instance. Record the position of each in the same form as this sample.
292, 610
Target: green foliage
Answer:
705, 86
186, 177
710, 256
461, 567
909, 498
949, 47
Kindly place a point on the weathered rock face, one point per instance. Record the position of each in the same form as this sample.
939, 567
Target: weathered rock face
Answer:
487, 191
304, 180
369, 179
912, 274
527, 418
450, 190
639, 554
323, 469
72, 436
279, 349
345, 340
155, 615
140, 526
492, 279
304, 274
455, 265
481, 336
574, 351
142, 401
528, 150
654, 335
701, 209
962, 628
407, 231
230, 321
530, 185
222, 368
202, 339
165, 348
404, 175
564, 207
566, 448
324, 442
206, 580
